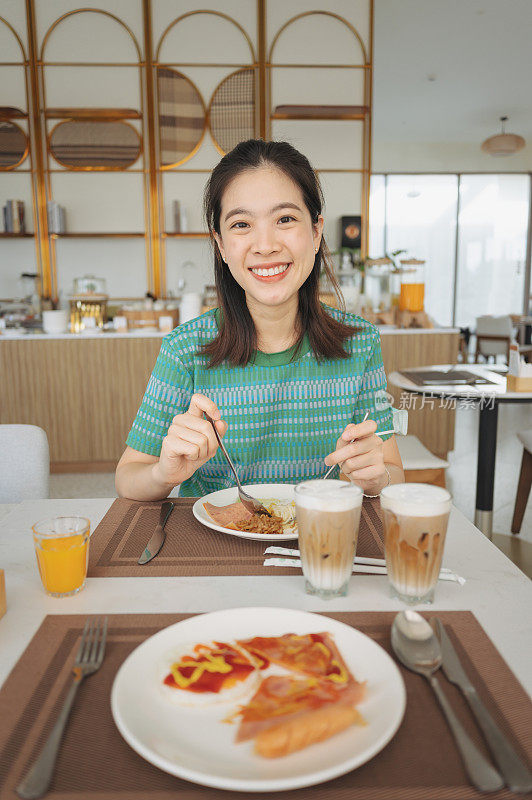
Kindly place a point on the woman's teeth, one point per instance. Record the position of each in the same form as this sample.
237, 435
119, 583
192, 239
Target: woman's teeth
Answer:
264, 273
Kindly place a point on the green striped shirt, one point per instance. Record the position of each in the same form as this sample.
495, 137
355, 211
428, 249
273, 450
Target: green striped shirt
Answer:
284, 414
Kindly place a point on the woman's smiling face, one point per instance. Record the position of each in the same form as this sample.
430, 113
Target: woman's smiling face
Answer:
266, 235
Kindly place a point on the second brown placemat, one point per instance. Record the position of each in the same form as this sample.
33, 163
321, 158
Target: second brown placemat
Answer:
191, 549
420, 763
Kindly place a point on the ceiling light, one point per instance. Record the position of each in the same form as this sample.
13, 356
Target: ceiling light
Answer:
503, 144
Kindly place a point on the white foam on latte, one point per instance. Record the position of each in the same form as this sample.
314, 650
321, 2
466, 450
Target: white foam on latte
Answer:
416, 499
328, 495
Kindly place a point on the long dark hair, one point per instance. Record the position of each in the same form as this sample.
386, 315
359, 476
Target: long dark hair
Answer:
237, 337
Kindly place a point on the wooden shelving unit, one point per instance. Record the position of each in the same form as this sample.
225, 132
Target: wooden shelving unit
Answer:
248, 76
191, 235
94, 114
9, 112
93, 235
320, 112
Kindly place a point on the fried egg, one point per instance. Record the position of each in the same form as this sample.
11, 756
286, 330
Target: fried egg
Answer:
208, 674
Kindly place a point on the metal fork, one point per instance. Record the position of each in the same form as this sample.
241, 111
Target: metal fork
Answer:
252, 505
88, 660
366, 415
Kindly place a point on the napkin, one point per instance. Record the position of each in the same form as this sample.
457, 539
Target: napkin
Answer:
368, 566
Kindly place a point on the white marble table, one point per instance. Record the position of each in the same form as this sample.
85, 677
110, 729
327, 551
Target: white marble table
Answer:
496, 591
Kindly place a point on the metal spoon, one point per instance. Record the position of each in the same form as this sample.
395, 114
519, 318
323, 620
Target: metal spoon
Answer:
252, 505
416, 646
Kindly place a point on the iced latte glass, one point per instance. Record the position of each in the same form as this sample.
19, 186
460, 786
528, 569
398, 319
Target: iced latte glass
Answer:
328, 518
415, 519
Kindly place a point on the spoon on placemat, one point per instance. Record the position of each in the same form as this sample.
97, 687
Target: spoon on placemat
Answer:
416, 646
251, 503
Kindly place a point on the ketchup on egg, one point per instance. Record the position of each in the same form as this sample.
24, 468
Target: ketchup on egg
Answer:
211, 669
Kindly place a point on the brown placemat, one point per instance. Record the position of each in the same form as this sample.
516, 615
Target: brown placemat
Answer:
420, 763
192, 549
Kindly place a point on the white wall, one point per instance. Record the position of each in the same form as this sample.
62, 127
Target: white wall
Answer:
445, 157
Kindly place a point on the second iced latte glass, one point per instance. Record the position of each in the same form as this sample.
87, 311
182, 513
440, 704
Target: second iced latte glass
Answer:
328, 518
415, 519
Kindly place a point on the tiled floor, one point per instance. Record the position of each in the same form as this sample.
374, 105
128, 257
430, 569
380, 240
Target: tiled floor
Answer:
461, 478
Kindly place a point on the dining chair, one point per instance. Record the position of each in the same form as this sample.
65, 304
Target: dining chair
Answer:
525, 481
24, 463
494, 335
419, 464
463, 345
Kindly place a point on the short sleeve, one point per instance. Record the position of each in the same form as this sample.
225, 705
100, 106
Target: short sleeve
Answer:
373, 396
168, 393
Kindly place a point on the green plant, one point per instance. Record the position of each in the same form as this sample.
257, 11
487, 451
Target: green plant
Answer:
393, 255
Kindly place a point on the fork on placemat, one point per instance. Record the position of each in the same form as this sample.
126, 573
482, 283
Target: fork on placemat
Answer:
89, 659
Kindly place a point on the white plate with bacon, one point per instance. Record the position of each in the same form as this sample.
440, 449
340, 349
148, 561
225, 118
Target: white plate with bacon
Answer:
258, 699
222, 511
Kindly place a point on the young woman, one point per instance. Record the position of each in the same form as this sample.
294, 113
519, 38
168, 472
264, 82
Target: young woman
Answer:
287, 379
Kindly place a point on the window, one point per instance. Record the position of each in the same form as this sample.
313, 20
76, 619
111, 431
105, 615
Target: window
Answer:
421, 219
492, 235
418, 213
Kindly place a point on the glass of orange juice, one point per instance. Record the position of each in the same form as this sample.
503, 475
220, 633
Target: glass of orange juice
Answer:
62, 550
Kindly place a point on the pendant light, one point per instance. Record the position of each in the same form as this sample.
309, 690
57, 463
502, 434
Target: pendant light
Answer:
503, 144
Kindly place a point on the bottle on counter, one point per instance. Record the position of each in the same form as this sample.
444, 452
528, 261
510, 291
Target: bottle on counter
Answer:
377, 284
350, 281
189, 307
412, 296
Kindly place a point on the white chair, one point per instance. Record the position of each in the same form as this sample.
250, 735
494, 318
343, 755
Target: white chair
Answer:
419, 464
24, 463
525, 481
493, 337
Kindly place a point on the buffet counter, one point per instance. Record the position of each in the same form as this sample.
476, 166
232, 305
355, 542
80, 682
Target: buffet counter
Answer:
84, 389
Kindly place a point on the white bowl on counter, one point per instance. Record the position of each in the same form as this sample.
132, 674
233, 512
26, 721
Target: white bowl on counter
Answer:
55, 321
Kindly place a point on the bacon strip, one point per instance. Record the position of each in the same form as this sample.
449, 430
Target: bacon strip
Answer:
282, 699
228, 516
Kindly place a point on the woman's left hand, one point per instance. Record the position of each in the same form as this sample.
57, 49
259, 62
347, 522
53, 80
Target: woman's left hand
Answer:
362, 460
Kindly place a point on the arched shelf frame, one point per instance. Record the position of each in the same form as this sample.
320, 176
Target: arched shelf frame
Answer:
207, 106
157, 63
41, 64
139, 63
19, 41
24, 64
364, 116
62, 18
180, 19
337, 17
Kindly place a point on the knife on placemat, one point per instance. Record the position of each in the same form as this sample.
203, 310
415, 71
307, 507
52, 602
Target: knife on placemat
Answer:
157, 540
516, 774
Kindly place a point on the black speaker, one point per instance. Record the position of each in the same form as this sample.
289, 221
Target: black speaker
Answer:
351, 232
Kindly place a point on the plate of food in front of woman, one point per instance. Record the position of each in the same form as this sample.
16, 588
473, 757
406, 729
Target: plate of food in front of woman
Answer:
222, 511
258, 699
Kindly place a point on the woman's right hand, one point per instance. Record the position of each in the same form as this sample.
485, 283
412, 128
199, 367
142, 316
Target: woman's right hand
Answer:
189, 443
